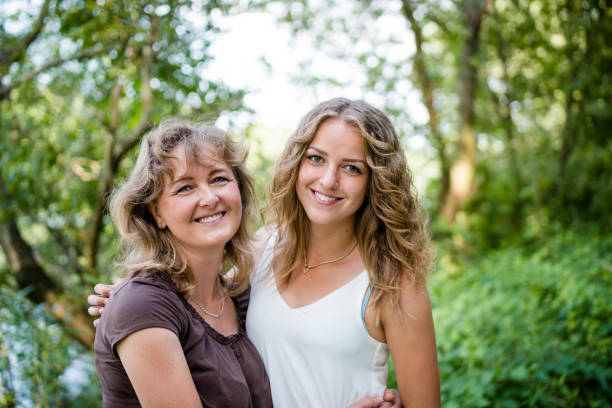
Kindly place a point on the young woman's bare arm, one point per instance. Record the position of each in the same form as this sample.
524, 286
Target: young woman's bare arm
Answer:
412, 344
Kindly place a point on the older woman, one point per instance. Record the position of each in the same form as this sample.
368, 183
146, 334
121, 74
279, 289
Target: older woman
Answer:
174, 334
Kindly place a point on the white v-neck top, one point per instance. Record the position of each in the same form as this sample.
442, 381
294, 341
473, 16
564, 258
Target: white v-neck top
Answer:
319, 355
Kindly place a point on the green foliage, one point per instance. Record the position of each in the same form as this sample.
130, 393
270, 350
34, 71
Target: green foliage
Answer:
40, 364
528, 326
522, 326
544, 145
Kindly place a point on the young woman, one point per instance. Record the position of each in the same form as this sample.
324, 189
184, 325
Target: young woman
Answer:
340, 283
172, 335
340, 273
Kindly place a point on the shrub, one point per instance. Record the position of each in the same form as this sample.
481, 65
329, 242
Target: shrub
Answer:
524, 327
527, 327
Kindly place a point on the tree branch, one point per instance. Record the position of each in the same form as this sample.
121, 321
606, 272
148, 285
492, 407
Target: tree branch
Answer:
28, 273
70, 251
29, 38
427, 90
6, 90
117, 149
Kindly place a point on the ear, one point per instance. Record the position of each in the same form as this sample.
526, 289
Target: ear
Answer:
158, 219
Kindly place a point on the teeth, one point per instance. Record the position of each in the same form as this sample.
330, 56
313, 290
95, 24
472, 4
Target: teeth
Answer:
324, 197
211, 218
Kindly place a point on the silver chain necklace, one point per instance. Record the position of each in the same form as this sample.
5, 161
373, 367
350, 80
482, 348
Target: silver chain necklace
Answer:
205, 311
308, 268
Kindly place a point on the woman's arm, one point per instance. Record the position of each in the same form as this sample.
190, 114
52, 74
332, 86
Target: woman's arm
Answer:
409, 332
156, 366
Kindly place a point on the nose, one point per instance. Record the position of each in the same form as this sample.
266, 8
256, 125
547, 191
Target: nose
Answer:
330, 178
208, 198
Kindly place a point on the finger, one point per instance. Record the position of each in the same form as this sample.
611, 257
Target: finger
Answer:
94, 300
389, 395
103, 290
96, 322
367, 402
95, 311
386, 405
392, 396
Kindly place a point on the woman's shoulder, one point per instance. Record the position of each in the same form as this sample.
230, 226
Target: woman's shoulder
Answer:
413, 304
262, 236
145, 289
143, 300
260, 241
152, 277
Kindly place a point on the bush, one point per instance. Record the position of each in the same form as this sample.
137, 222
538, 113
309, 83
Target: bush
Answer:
40, 365
524, 327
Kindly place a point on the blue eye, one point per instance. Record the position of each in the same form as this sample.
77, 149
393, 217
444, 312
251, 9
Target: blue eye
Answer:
220, 179
315, 158
353, 169
184, 189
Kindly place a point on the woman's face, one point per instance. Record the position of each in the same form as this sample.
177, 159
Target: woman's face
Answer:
200, 204
333, 176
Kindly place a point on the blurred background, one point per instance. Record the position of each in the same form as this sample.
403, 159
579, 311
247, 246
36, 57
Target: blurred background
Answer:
504, 111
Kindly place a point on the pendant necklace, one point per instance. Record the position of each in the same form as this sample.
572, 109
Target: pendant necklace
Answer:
308, 268
211, 314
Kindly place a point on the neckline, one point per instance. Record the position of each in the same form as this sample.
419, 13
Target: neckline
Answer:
319, 300
220, 338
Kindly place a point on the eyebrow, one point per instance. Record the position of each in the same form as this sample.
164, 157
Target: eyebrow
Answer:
324, 153
182, 178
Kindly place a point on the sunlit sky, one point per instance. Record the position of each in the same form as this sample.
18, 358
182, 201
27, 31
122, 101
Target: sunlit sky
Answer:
278, 101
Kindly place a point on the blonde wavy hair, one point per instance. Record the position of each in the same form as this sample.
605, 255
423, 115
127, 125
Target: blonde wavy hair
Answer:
391, 225
146, 247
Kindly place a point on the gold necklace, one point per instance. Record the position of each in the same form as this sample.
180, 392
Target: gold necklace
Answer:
205, 311
308, 268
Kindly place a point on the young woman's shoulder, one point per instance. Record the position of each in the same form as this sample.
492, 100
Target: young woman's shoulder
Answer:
262, 235
413, 313
260, 241
409, 333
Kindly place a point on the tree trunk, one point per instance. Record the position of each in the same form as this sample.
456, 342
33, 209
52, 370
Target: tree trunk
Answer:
505, 112
29, 273
463, 168
116, 148
427, 90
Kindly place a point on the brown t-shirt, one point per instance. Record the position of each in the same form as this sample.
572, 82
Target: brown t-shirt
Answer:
227, 371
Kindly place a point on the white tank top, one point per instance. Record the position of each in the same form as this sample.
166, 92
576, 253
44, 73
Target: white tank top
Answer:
319, 355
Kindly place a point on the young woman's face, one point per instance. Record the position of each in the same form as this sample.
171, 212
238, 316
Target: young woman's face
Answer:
200, 204
333, 176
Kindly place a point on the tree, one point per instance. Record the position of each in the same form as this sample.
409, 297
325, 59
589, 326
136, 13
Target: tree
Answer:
68, 124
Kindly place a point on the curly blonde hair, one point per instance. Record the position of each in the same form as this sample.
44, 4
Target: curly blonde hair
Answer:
146, 246
391, 225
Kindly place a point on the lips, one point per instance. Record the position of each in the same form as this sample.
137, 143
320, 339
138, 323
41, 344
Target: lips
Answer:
324, 198
210, 219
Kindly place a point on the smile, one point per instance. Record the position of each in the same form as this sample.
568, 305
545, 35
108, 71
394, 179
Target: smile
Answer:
325, 199
210, 219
